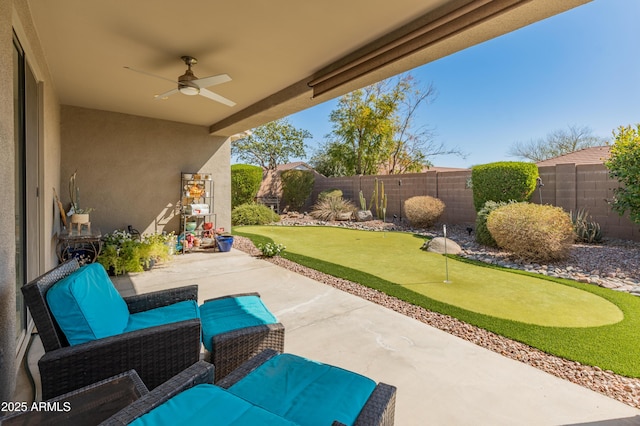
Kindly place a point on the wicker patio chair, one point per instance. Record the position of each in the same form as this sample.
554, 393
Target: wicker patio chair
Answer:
156, 353
233, 348
378, 410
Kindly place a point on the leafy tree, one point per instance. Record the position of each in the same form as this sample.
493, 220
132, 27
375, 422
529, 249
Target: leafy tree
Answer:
271, 144
556, 143
374, 131
624, 165
296, 187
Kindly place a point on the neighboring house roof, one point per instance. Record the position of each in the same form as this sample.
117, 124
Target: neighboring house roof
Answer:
444, 169
594, 155
296, 165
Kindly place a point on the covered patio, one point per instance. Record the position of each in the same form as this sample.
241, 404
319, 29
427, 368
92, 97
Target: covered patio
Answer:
71, 102
441, 379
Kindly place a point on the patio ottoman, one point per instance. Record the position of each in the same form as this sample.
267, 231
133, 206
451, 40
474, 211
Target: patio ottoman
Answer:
311, 393
237, 327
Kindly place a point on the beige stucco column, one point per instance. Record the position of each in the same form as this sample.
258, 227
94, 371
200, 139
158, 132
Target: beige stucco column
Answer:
7, 210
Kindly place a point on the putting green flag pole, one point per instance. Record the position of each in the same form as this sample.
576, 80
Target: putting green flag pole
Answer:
446, 263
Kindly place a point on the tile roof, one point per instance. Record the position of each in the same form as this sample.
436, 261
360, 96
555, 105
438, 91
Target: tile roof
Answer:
594, 155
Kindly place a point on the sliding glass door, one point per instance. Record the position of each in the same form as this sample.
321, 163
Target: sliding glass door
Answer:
27, 221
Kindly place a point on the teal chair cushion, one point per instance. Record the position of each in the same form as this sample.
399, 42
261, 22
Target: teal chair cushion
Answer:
87, 306
304, 391
232, 313
208, 405
181, 311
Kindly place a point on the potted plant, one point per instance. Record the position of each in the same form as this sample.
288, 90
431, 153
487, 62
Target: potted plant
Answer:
122, 252
156, 248
78, 214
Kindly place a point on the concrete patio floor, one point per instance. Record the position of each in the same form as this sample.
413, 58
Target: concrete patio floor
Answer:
441, 379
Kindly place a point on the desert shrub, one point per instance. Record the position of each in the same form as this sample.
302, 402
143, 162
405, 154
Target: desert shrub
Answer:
296, 187
330, 193
253, 214
503, 181
245, 183
271, 249
587, 230
483, 236
532, 232
423, 211
329, 208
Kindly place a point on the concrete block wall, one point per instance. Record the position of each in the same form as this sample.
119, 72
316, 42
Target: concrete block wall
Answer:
569, 186
451, 187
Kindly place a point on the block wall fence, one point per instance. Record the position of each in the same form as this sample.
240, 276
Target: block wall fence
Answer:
569, 186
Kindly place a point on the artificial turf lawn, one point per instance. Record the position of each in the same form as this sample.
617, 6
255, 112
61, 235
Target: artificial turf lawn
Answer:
581, 322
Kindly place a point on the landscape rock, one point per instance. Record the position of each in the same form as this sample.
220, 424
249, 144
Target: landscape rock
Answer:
364, 215
439, 244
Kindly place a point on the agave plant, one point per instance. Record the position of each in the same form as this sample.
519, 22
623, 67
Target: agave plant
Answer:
587, 230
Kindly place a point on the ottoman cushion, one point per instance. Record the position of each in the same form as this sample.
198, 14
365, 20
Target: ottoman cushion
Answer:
304, 391
232, 313
208, 405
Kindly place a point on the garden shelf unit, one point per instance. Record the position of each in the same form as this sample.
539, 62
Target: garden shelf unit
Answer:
196, 211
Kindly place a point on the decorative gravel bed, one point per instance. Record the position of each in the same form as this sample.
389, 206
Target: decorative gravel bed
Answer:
613, 261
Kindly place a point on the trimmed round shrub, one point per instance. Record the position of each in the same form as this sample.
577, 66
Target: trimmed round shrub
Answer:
245, 183
483, 236
423, 211
503, 181
532, 232
329, 208
253, 214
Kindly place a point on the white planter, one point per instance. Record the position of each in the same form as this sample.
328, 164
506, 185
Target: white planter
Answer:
80, 218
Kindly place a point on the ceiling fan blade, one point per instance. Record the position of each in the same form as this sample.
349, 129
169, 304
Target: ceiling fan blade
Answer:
211, 81
215, 97
152, 75
165, 95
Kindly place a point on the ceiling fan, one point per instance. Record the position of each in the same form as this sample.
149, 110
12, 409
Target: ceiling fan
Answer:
190, 85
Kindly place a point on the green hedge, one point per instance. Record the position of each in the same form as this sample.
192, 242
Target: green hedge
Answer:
503, 181
245, 183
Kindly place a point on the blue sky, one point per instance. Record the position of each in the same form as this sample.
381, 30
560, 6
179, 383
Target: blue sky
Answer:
579, 68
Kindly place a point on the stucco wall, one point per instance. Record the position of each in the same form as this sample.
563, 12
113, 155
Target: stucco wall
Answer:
14, 16
7, 214
128, 167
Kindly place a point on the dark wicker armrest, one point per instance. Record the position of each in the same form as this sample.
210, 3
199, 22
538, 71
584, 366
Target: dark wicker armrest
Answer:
157, 299
232, 296
232, 348
156, 353
380, 408
247, 367
198, 373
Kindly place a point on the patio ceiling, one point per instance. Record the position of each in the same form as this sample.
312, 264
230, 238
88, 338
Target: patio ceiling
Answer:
271, 49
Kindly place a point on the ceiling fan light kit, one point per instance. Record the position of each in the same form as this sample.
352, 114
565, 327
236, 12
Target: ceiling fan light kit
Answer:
190, 85
188, 90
